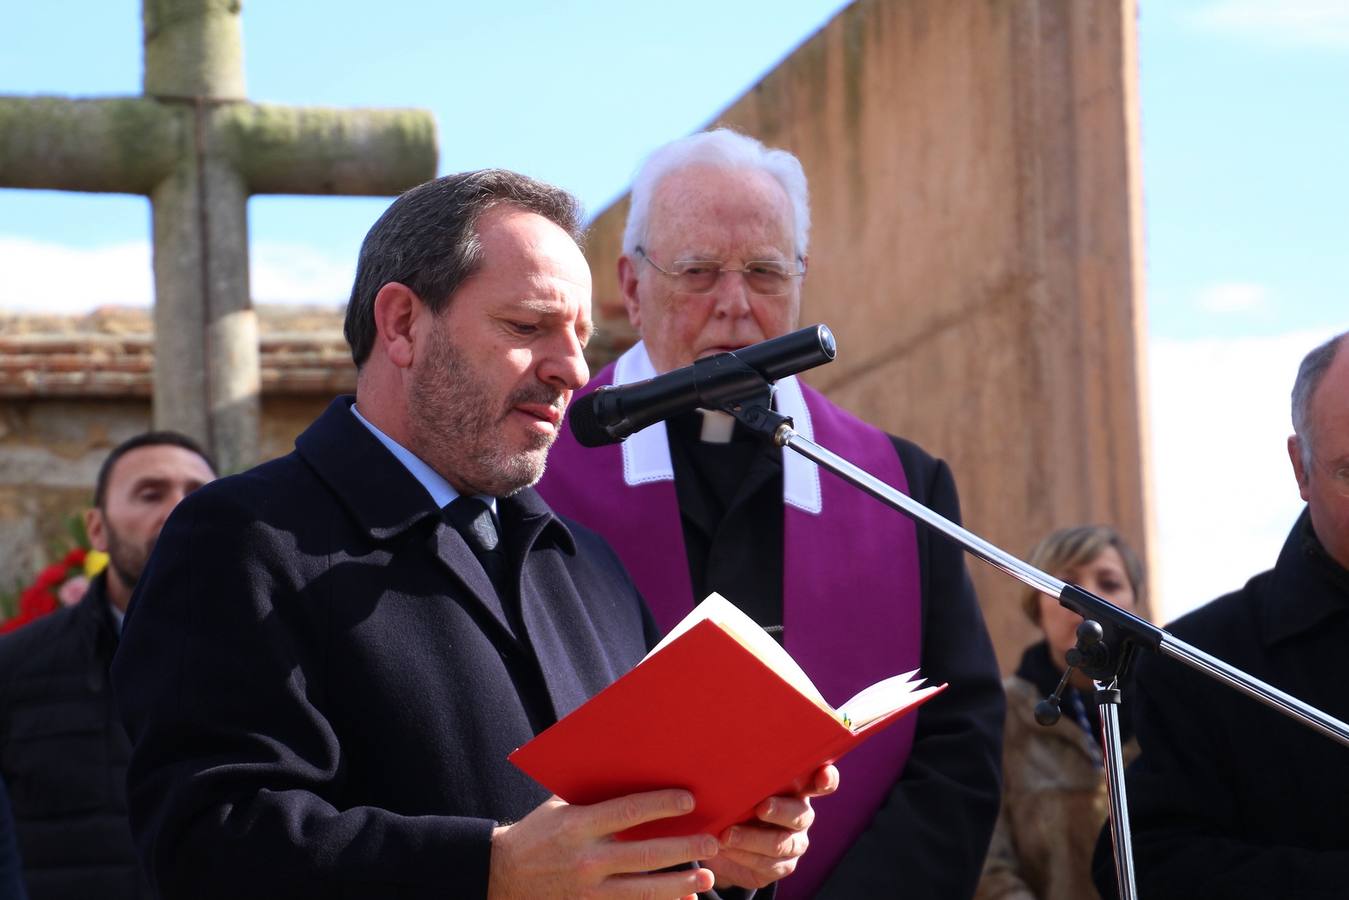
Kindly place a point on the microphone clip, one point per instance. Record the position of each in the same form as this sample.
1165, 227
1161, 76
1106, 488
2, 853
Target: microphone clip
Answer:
761, 419
1090, 655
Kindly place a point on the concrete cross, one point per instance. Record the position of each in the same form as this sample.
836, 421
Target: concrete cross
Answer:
198, 149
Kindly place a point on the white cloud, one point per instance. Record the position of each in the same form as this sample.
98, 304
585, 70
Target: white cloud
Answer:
1223, 484
1300, 23
36, 276
295, 273
43, 277
1232, 297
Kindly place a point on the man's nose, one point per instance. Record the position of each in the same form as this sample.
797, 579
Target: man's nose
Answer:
565, 368
731, 295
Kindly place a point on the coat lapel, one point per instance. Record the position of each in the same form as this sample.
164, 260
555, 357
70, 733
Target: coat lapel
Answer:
564, 639
386, 500
456, 556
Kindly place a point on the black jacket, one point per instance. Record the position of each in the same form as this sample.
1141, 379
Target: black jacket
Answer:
11, 875
63, 754
1230, 799
321, 686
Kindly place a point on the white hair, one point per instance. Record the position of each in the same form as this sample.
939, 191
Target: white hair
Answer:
724, 149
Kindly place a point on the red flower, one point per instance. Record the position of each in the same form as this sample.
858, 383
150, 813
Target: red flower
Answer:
51, 576
36, 601
42, 596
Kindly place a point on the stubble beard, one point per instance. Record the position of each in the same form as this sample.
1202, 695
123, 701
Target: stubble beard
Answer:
458, 429
125, 559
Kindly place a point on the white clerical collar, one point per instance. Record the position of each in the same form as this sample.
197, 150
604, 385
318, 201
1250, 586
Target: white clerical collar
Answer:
441, 491
646, 454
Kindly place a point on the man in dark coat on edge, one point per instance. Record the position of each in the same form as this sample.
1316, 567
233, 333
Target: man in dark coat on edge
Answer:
63, 752
322, 676
1230, 799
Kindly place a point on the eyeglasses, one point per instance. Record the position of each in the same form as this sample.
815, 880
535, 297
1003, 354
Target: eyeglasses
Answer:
770, 277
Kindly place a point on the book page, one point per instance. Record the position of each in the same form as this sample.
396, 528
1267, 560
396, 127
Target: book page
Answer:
757, 641
884, 697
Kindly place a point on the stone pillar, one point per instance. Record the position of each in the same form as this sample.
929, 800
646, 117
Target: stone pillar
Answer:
193, 48
206, 367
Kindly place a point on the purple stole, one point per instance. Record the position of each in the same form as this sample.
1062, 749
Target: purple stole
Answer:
851, 604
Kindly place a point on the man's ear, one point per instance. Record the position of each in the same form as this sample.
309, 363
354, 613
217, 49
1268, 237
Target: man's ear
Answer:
1299, 470
627, 283
397, 308
94, 527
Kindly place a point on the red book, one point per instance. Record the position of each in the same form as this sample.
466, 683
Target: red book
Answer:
718, 708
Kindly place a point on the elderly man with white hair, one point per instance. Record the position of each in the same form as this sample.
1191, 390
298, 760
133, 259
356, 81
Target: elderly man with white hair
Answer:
714, 255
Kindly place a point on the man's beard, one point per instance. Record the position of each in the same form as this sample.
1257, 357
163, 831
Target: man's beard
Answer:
125, 559
458, 429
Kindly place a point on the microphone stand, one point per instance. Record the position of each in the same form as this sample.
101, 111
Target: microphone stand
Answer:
1107, 639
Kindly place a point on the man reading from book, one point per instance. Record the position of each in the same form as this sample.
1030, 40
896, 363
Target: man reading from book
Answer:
714, 256
331, 656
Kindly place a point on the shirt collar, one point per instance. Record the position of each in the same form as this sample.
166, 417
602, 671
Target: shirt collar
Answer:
441, 491
646, 454
1307, 587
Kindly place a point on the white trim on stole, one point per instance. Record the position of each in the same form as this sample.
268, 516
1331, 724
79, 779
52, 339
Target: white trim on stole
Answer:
646, 453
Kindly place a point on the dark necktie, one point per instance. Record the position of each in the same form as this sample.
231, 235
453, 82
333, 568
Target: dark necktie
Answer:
472, 518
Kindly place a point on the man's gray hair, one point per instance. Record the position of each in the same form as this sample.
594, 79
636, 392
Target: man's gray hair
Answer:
724, 149
428, 240
1309, 376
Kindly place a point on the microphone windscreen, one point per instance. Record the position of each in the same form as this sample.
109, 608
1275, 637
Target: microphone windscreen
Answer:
585, 423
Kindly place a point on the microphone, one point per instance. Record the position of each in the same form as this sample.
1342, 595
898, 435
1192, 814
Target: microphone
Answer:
611, 413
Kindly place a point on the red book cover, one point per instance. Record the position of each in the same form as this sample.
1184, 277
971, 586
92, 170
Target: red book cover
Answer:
754, 735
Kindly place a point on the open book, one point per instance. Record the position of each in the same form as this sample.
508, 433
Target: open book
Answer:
717, 707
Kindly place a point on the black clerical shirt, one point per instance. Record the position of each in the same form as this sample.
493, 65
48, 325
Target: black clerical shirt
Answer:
730, 503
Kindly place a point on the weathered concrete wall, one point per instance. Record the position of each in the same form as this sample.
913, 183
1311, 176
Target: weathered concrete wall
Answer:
976, 248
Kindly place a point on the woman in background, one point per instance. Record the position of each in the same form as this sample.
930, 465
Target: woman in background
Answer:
1053, 785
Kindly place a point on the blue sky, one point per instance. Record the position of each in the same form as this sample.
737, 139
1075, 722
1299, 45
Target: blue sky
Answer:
1245, 141
1245, 131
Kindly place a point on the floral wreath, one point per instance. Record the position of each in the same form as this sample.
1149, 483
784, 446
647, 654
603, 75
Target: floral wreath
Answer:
62, 583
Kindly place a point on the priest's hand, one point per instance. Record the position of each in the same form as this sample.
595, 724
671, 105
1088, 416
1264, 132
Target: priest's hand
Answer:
560, 850
757, 853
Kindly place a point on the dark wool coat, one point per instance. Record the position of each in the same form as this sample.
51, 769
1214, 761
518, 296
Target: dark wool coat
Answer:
11, 876
322, 690
63, 754
1229, 798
